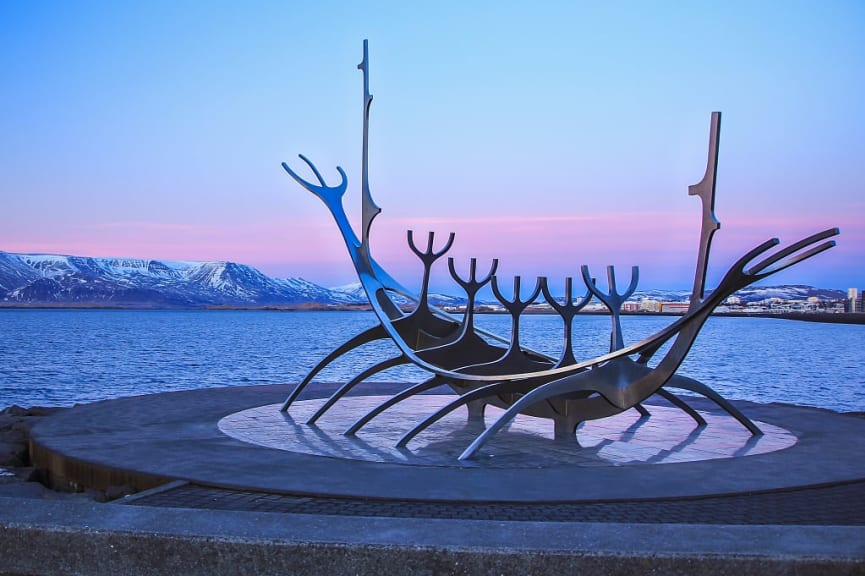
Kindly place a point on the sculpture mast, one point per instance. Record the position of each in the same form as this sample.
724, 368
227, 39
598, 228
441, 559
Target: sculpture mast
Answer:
705, 189
369, 209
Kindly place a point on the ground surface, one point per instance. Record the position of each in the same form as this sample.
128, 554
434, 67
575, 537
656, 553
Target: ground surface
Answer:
218, 502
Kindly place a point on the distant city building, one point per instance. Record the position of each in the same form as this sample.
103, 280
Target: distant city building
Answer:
674, 307
854, 302
650, 305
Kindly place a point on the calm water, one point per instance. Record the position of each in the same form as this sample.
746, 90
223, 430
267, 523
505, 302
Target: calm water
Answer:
62, 357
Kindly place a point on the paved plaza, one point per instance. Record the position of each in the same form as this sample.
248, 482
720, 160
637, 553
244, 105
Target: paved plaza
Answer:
223, 477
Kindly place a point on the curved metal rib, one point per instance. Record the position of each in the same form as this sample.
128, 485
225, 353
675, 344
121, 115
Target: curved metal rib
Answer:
679, 403
369, 335
481, 393
700, 388
344, 389
617, 372
428, 384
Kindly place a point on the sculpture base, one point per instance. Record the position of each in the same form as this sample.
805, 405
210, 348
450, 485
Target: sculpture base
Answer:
148, 440
667, 436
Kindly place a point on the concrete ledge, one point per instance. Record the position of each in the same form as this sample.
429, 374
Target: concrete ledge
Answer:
145, 440
40, 537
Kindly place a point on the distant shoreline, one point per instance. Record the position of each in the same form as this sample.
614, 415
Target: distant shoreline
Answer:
823, 317
820, 317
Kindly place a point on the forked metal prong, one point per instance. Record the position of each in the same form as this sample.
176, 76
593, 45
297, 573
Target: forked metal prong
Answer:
472, 283
517, 303
765, 265
429, 252
798, 258
322, 189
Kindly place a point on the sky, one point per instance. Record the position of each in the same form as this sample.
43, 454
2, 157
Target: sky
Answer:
546, 134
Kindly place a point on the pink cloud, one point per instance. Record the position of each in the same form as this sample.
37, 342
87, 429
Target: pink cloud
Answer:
292, 240
663, 244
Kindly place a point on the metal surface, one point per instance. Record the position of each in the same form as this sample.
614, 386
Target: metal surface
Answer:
705, 190
567, 310
455, 353
613, 300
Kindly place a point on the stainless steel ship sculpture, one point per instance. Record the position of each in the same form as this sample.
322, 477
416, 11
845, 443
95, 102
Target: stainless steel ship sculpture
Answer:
485, 369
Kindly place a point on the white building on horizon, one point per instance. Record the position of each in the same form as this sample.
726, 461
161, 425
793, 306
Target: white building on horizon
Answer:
854, 301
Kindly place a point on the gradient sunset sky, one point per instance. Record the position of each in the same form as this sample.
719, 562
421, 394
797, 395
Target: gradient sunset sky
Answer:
549, 134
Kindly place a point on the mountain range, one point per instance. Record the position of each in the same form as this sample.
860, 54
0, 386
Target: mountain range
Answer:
42, 279
52, 280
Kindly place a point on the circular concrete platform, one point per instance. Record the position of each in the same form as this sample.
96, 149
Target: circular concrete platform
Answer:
236, 438
626, 439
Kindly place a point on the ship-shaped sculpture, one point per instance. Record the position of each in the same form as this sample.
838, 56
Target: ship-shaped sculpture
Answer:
485, 369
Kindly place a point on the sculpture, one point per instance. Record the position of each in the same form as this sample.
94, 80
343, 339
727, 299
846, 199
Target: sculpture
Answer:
507, 374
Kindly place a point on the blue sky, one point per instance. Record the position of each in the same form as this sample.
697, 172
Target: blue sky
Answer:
548, 134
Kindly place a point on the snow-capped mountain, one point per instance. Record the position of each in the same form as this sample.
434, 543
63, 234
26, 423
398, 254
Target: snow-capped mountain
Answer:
354, 293
44, 279
661, 295
74, 280
350, 292
749, 295
790, 292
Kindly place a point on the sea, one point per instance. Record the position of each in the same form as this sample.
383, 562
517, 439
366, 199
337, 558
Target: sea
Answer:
63, 357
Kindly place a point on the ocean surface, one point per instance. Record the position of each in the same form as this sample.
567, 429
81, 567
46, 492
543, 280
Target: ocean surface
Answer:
64, 357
